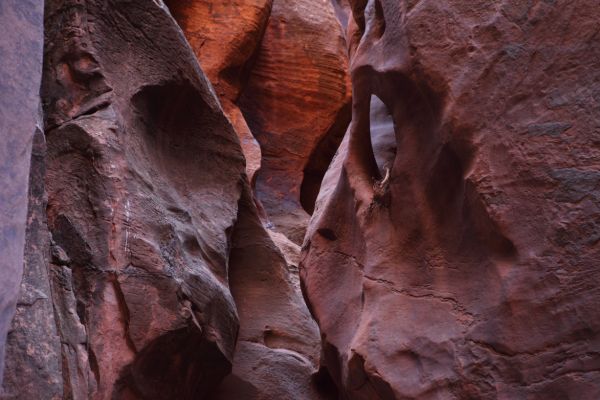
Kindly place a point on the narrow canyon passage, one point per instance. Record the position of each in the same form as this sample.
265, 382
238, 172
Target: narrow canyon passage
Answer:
300, 200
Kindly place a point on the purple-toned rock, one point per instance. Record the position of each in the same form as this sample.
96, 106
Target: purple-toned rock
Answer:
21, 51
454, 251
144, 175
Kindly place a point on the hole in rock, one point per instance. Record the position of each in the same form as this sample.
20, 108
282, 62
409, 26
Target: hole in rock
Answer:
383, 136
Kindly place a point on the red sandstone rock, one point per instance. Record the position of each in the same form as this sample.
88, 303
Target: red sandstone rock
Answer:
453, 250
295, 104
225, 36
278, 350
20, 75
278, 345
470, 272
292, 85
153, 254
144, 178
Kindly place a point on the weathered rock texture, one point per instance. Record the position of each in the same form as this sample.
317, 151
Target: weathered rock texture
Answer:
467, 267
225, 36
284, 64
148, 270
144, 176
278, 350
20, 75
455, 239
33, 357
297, 105
246, 54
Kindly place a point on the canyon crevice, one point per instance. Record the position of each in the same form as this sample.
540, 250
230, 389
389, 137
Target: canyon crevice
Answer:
300, 199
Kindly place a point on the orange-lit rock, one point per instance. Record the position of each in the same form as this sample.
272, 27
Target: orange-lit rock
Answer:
454, 245
294, 102
225, 36
285, 64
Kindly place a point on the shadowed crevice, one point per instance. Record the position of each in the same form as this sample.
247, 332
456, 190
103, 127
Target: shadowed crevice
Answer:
321, 157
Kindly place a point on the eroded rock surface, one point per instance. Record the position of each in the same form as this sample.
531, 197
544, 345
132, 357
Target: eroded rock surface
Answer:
277, 351
454, 243
144, 175
148, 268
468, 269
296, 104
225, 36
280, 70
33, 356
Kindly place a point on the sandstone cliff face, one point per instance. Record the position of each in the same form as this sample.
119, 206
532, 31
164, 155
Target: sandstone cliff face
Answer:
225, 36
148, 267
297, 105
280, 70
138, 159
182, 145
454, 250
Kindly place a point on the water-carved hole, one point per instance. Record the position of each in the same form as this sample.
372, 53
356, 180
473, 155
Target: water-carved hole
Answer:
383, 137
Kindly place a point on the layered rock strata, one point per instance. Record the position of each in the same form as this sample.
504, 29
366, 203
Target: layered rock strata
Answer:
297, 105
225, 36
280, 70
453, 249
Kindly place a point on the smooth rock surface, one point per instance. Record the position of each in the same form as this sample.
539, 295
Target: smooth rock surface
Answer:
471, 271
33, 356
296, 104
21, 51
454, 245
278, 350
148, 269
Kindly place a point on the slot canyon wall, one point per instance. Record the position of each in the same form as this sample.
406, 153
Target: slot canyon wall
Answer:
300, 199
454, 249
155, 263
